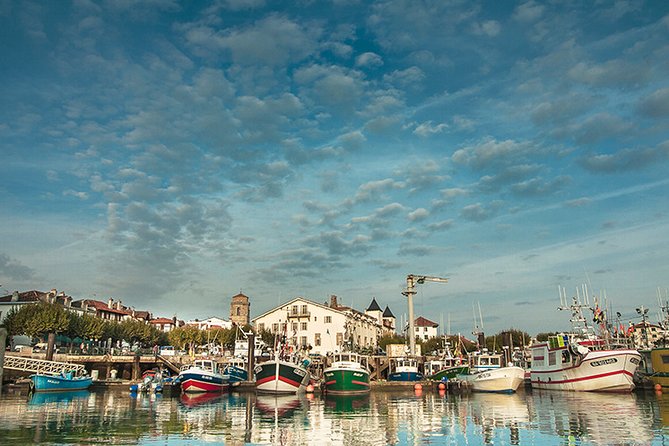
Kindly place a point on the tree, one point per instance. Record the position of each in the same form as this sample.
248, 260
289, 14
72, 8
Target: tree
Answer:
432, 345
391, 339
519, 338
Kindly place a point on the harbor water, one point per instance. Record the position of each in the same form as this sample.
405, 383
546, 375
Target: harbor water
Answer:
380, 418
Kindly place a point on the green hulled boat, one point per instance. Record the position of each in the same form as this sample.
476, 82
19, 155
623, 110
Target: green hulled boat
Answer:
449, 372
346, 375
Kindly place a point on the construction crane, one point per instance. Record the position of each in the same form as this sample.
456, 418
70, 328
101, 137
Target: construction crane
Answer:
412, 281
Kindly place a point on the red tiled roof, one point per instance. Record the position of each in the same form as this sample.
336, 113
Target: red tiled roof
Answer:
25, 296
161, 320
422, 322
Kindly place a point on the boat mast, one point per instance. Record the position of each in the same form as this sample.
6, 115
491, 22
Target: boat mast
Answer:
412, 281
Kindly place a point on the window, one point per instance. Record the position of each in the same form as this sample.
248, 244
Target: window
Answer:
551, 358
303, 326
340, 338
261, 327
275, 328
294, 326
239, 311
303, 340
293, 310
284, 326
328, 319
317, 339
304, 309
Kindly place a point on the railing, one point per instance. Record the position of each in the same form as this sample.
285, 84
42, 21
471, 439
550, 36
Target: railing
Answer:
299, 314
41, 366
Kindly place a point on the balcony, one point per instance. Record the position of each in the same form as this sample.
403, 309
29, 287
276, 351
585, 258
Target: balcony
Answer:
298, 314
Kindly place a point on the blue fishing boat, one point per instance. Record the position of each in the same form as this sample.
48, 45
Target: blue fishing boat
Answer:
64, 381
236, 369
404, 369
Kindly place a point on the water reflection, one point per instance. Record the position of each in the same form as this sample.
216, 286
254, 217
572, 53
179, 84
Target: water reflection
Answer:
379, 418
596, 418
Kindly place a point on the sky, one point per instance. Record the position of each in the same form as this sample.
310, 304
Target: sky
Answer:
171, 154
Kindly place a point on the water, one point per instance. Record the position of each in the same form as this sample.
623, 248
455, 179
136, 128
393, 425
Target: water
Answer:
383, 417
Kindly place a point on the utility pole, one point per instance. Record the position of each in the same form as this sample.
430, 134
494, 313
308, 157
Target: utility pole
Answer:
412, 281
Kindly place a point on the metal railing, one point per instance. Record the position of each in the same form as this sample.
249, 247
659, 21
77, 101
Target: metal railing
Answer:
41, 366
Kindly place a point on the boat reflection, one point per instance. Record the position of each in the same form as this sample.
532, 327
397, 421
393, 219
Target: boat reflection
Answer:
199, 399
278, 405
58, 397
346, 403
496, 412
598, 418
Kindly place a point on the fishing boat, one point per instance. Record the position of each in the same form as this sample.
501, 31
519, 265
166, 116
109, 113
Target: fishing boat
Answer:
488, 374
286, 373
582, 360
404, 368
659, 359
203, 375
346, 375
236, 370
282, 376
447, 367
66, 381
565, 362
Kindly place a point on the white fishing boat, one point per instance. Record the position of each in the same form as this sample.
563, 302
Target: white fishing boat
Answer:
582, 361
566, 363
488, 374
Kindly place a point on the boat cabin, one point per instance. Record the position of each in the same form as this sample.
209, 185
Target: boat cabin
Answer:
403, 364
557, 352
480, 361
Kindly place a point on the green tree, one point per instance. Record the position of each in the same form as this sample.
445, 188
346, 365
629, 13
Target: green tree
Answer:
431, 346
391, 339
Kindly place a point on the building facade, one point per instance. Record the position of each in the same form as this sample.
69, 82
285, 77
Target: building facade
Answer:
425, 329
321, 328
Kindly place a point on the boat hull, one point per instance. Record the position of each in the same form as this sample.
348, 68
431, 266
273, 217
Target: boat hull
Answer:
46, 383
280, 377
236, 373
405, 376
502, 380
346, 381
201, 381
597, 371
450, 373
659, 359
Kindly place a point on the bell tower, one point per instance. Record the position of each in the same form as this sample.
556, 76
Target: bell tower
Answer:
240, 309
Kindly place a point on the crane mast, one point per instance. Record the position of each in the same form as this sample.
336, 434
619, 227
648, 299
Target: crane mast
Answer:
412, 281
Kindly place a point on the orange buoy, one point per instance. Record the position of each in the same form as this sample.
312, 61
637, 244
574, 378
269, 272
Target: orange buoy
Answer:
658, 387
442, 386
310, 388
418, 386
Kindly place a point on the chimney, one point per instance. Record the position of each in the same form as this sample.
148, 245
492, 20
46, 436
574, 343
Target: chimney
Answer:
110, 303
333, 301
119, 306
15, 296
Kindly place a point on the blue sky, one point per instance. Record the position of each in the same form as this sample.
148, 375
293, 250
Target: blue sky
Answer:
169, 154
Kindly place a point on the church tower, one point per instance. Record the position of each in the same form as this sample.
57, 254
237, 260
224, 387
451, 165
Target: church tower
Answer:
240, 309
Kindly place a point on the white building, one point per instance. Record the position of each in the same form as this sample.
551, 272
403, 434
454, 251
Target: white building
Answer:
211, 322
321, 328
425, 329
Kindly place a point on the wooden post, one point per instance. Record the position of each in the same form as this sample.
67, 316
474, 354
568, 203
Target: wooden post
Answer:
136, 370
3, 343
50, 346
251, 352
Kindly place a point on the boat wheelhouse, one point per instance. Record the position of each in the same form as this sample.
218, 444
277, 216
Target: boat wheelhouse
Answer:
404, 368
